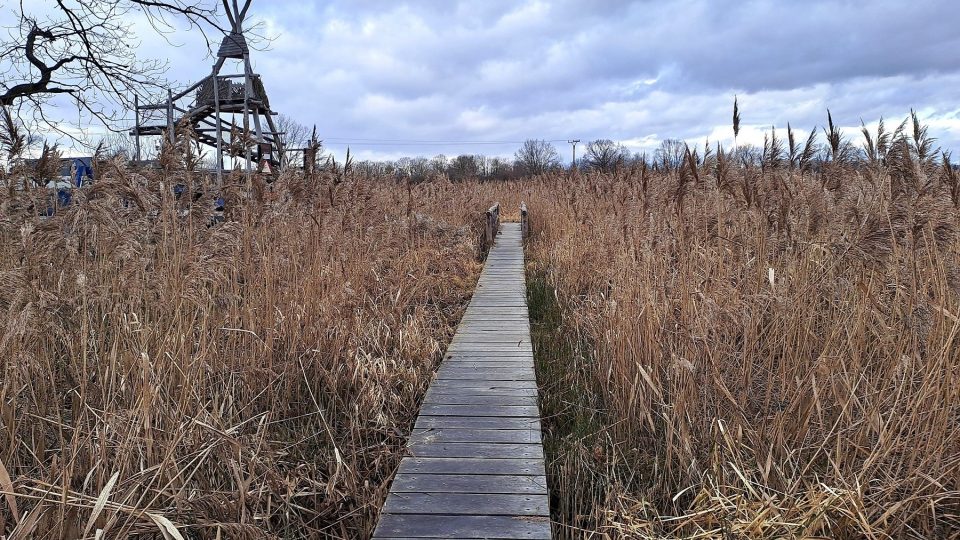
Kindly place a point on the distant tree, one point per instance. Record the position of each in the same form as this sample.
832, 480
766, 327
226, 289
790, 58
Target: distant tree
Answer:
669, 155
463, 167
638, 158
116, 145
499, 169
294, 135
605, 155
419, 169
483, 166
536, 157
438, 164
748, 154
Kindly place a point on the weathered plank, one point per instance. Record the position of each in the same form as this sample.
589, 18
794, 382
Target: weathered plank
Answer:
446, 526
461, 435
469, 483
463, 353
486, 374
475, 466
499, 411
476, 422
490, 504
440, 390
473, 399
477, 450
483, 383
491, 364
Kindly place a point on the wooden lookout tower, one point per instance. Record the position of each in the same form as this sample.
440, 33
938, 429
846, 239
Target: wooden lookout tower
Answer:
212, 106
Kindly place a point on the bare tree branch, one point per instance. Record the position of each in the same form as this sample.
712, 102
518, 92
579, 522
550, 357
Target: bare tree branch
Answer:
86, 49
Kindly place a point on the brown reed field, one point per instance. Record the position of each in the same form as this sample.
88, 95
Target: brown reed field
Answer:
735, 349
726, 348
251, 379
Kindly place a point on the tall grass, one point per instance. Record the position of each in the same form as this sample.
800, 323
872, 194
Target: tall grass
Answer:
726, 347
254, 378
757, 351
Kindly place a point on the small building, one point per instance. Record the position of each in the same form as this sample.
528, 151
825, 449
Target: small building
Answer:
76, 171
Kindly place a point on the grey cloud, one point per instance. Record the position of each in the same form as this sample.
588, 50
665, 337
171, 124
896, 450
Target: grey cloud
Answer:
507, 70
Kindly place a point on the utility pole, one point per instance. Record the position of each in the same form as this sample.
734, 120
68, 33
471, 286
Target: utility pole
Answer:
574, 143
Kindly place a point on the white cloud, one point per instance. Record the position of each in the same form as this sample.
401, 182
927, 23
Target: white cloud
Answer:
633, 71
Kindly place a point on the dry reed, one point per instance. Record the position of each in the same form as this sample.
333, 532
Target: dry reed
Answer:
254, 378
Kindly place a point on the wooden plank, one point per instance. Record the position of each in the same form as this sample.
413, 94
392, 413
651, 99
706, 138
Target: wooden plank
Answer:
462, 365
489, 338
474, 466
504, 356
500, 316
495, 372
500, 411
487, 374
472, 324
441, 526
482, 383
477, 450
469, 483
473, 399
488, 362
492, 343
490, 504
490, 436
509, 363
524, 350
438, 390
504, 332
476, 352
474, 422
513, 328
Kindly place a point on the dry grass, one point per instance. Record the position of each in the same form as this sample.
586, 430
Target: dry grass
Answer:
251, 379
760, 350
763, 352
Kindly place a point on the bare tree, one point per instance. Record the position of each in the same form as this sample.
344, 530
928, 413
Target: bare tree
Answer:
294, 134
116, 145
749, 154
499, 169
84, 49
463, 168
438, 165
670, 154
537, 157
605, 155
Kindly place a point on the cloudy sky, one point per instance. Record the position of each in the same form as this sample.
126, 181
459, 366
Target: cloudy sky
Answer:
391, 78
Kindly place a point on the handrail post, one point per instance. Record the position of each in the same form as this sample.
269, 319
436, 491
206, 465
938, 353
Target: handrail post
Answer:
492, 224
524, 221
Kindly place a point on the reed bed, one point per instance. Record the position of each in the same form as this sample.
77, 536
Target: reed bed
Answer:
725, 348
750, 350
165, 377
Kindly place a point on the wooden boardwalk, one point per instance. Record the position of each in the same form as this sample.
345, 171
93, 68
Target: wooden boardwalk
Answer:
475, 468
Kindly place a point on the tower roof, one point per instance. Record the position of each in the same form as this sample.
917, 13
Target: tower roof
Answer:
234, 45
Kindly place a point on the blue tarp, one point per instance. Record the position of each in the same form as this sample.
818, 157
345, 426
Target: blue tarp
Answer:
81, 171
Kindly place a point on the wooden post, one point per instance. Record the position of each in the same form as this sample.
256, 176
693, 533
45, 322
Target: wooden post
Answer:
216, 115
309, 158
246, 116
524, 221
136, 126
493, 224
170, 128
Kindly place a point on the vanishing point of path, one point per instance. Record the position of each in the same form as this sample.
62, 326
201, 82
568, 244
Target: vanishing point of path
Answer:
475, 467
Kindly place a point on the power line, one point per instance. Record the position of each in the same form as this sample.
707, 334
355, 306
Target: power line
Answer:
411, 142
